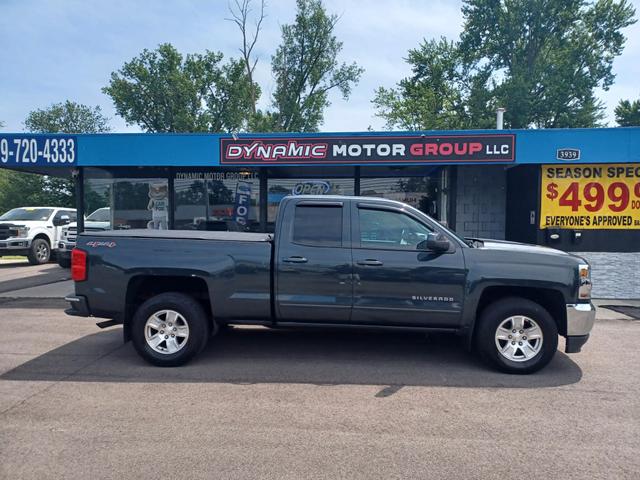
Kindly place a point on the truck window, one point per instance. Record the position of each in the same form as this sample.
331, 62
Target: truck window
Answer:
318, 225
386, 229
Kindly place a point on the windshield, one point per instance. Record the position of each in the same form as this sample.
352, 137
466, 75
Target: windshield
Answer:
26, 214
100, 215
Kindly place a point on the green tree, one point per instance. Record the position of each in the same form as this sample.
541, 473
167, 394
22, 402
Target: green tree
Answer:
22, 189
162, 91
442, 92
628, 113
306, 69
67, 117
540, 59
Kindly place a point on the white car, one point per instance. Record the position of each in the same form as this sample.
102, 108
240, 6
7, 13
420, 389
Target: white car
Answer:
33, 231
100, 219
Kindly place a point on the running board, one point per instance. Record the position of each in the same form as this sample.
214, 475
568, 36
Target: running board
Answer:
108, 323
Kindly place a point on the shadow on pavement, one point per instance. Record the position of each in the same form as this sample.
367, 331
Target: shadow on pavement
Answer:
44, 274
246, 356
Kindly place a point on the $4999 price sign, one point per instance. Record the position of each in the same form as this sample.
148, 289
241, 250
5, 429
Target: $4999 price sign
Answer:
590, 197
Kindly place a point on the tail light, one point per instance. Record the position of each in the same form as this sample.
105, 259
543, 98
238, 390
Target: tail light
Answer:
78, 265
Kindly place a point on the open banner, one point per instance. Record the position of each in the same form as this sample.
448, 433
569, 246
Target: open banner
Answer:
590, 197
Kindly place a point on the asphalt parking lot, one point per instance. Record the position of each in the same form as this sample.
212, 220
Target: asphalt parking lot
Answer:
78, 403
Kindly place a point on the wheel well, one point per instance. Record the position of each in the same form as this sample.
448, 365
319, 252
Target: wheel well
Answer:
552, 300
143, 287
43, 237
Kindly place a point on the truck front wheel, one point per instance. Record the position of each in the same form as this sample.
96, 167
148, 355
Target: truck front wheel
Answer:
169, 329
517, 335
40, 252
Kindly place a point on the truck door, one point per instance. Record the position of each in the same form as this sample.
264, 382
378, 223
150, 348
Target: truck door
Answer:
313, 262
394, 282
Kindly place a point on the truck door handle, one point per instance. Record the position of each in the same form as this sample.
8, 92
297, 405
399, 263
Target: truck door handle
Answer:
295, 259
370, 262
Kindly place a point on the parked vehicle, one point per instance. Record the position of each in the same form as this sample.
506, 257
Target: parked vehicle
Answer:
340, 262
98, 221
33, 231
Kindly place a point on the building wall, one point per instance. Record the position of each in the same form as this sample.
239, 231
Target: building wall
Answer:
614, 274
481, 201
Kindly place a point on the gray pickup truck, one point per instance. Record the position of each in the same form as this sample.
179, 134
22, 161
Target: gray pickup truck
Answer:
338, 262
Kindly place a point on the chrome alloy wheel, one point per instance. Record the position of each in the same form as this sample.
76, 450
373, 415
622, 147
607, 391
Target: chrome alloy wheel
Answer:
166, 332
42, 252
519, 338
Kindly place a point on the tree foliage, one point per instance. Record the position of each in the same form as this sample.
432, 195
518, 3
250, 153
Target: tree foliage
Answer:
441, 93
67, 117
162, 91
628, 113
306, 69
540, 59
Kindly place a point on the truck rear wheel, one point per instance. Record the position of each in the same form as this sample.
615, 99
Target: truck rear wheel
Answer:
40, 252
169, 329
517, 335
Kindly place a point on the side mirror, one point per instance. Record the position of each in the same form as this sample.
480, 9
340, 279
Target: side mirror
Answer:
63, 220
436, 242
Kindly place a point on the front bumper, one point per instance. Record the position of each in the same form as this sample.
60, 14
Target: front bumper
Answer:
66, 246
14, 245
580, 320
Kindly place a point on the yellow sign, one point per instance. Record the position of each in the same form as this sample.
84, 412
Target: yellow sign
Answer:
590, 197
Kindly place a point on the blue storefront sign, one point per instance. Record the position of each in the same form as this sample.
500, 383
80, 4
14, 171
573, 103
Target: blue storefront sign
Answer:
38, 150
516, 147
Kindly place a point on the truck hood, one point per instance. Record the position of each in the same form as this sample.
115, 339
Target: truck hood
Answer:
490, 244
24, 223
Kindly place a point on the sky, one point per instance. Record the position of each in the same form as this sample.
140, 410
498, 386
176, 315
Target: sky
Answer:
54, 50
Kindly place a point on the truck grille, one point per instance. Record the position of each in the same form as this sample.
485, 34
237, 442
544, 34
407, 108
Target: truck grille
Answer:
7, 231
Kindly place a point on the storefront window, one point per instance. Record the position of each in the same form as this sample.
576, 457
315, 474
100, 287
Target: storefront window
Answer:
278, 188
222, 201
419, 192
131, 202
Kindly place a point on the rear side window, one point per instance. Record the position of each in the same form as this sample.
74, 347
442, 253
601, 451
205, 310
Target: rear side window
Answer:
318, 225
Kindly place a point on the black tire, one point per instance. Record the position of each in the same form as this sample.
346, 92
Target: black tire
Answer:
495, 314
64, 262
194, 316
40, 252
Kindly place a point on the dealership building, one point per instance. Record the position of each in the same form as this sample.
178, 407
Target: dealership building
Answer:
573, 189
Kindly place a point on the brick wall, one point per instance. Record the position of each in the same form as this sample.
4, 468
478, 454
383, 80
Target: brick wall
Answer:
481, 201
614, 275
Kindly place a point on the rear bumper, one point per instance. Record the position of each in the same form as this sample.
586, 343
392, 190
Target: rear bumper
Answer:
78, 306
580, 320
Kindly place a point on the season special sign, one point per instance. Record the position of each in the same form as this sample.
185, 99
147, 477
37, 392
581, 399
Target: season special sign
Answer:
595, 197
372, 149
